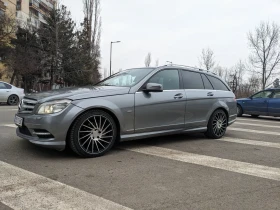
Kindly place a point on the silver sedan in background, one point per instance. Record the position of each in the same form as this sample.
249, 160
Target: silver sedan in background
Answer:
10, 94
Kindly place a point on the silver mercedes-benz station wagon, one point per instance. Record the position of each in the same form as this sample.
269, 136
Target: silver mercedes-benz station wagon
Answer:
132, 104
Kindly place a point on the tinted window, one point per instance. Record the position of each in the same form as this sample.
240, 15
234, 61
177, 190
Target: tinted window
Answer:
169, 79
206, 82
192, 80
217, 84
276, 94
3, 86
263, 94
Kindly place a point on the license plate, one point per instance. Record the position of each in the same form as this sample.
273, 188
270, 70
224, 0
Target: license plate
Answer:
18, 121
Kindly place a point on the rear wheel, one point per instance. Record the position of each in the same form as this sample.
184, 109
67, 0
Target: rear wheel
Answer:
13, 100
239, 111
217, 125
93, 134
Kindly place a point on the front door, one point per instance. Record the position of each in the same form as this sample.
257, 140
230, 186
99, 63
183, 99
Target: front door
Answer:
274, 104
258, 103
161, 111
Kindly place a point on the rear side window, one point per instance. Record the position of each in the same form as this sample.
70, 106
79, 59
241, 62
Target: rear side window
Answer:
206, 82
192, 80
8, 86
217, 84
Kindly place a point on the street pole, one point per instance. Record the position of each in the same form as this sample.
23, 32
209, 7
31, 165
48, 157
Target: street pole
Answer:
111, 59
111, 55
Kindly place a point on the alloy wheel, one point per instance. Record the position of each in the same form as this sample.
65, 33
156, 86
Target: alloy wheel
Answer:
96, 134
219, 124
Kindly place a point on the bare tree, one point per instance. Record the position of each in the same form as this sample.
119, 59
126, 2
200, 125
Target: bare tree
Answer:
265, 50
8, 28
157, 62
148, 60
92, 23
207, 59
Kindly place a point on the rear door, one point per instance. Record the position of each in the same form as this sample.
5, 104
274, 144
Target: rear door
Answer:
200, 97
274, 104
258, 103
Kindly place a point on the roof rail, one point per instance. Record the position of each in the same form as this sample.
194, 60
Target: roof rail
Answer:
191, 67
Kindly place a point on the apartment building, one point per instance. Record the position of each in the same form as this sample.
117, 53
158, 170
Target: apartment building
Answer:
34, 11
8, 6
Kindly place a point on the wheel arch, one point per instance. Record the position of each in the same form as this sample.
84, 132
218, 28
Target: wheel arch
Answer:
112, 114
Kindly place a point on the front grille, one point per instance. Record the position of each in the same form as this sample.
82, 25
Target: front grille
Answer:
27, 106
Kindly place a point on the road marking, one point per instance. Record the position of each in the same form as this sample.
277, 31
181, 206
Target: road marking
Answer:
260, 125
251, 142
254, 131
9, 125
21, 189
8, 110
209, 161
261, 120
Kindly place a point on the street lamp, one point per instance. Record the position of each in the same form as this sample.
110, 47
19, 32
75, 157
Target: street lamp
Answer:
111, 56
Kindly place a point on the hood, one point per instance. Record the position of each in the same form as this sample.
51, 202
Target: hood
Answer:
78, 93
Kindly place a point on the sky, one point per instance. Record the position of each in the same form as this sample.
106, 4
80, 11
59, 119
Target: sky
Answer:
177, 30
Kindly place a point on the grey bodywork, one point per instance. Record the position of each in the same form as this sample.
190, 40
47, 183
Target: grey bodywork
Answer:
138, 114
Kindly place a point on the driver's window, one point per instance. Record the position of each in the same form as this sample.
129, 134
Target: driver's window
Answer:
169, 79
263, 94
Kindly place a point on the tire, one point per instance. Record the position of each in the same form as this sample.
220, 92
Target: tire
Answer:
13, 100
217, 125
254, 115
239, 111
93, 134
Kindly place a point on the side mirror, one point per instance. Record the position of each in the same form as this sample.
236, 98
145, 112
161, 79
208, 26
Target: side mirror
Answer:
153, 87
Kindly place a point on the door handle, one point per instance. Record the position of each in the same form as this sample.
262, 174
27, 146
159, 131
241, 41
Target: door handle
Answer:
210, 94
178, 96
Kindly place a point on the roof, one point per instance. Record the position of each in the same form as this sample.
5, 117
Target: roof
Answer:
191, 68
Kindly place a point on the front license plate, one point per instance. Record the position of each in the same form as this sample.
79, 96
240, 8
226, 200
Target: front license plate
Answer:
18, 121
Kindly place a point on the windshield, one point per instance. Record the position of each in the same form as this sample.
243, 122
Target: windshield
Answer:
127, 78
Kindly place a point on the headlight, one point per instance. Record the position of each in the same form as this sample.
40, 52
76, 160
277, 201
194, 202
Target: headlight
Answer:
53, 106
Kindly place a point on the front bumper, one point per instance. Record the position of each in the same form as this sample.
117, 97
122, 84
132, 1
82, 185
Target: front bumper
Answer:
57, 125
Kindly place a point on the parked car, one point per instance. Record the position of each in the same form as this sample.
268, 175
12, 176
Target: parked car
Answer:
10, 94
132, 104
266, 102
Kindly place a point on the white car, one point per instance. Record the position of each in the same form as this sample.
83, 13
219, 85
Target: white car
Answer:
10, 94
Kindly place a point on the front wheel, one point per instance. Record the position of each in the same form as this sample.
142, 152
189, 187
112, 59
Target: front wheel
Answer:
93, 134
217, 125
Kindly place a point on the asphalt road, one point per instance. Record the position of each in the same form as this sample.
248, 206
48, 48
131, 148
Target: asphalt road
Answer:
240, 171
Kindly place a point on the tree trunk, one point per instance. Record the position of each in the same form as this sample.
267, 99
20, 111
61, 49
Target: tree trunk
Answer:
13, 78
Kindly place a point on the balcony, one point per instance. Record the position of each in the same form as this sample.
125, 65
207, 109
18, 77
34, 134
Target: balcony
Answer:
34, 4
2, 5
47, 4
